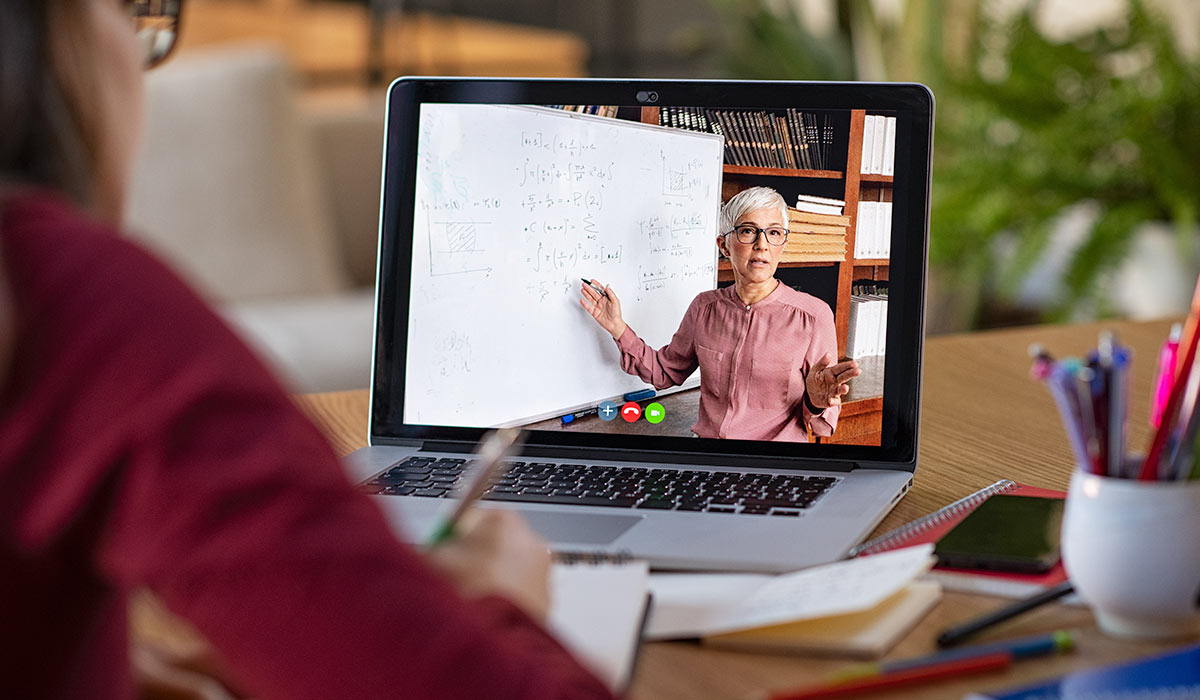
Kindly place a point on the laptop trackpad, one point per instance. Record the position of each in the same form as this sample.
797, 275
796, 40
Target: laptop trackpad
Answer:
584, 528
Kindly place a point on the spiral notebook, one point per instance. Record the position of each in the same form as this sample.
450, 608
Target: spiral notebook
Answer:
931, 527
598, 609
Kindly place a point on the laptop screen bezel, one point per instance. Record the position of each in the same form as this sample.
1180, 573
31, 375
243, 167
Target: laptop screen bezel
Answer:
913, 105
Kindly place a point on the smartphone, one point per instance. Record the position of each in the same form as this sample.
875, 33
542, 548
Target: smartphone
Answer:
1018, 534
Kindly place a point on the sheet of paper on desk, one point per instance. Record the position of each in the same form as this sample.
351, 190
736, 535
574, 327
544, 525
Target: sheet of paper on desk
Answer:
696, 605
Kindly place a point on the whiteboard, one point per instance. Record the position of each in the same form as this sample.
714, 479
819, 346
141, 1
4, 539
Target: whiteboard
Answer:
514, 205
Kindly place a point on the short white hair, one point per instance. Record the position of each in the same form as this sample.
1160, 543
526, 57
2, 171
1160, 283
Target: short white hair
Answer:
749, 200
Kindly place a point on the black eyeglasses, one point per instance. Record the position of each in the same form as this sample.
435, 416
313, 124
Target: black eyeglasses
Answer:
157, 25
749, 234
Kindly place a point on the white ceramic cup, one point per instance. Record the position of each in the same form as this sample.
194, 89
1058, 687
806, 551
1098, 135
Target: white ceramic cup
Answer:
1132, 550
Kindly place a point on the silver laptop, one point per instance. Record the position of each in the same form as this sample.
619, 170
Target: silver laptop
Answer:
502, 200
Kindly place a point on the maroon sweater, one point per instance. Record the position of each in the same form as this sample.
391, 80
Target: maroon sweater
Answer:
141, 443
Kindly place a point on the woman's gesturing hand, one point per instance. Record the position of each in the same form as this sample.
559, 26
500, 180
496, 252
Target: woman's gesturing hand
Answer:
605, 308
826, 382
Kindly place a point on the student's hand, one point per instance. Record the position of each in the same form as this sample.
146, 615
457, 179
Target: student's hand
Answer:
605, 309
827, 382
494, 552
169, 674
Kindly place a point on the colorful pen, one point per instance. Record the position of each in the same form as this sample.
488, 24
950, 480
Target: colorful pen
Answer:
1166, 374
974, 659
1187, 343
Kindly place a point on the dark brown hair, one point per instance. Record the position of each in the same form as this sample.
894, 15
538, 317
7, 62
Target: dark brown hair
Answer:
45, 137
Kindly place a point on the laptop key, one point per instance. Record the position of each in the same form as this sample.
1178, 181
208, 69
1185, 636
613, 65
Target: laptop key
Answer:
786, 513
656, 504
398, 490
430, 492
563, 500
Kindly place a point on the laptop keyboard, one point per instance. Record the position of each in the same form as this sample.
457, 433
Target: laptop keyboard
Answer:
615, 487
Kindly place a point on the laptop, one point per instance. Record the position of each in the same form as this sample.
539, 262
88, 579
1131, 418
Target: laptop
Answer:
503, 200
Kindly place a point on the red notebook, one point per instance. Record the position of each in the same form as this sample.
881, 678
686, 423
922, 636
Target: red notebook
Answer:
930, 528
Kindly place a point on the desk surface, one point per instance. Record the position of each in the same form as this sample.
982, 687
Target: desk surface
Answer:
982, 420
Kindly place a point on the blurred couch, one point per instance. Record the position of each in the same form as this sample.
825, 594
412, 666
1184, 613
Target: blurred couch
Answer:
268, 204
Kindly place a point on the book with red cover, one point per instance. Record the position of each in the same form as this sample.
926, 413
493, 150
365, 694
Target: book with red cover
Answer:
930, 528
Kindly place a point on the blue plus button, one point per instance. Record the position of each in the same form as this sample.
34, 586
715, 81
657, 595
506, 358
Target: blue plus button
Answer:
608, 410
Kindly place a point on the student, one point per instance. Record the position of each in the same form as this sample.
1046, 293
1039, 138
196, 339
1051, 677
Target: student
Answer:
767, 353
141, 444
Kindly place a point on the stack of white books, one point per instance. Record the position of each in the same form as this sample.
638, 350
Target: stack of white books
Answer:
873, 231
879, 145
868, 325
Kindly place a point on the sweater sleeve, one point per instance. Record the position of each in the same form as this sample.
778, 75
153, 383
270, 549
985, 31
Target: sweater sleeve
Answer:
203, 481
668, 366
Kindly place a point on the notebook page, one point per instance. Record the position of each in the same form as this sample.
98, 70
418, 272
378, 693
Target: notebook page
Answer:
821, 591
596, 611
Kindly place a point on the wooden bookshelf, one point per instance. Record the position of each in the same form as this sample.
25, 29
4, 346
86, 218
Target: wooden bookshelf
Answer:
860, 421
782, 172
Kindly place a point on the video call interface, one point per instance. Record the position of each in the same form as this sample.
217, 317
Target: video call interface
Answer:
540, 232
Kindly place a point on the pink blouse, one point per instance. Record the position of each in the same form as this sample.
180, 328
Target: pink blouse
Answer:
752, 359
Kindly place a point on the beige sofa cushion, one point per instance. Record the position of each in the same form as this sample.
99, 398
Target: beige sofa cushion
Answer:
227, 187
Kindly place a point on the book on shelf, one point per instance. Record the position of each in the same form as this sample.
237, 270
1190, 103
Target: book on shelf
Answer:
868, 144
873, 231
879, 145
867, 322
783, 139
796, 216
820, 205
598, 110
889, 147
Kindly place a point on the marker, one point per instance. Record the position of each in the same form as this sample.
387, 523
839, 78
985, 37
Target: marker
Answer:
640, 395
570, 417
598, 289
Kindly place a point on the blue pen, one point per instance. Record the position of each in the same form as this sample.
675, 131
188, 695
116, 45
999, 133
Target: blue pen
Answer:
1061, 382
639, 395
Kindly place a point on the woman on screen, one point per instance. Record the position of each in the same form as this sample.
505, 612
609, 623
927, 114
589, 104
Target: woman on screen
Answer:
767, 353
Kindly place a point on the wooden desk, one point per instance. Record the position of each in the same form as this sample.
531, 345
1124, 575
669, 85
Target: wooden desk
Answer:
982, 419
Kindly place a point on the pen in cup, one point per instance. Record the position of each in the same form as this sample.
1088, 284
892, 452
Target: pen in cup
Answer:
495, 448
1166, 374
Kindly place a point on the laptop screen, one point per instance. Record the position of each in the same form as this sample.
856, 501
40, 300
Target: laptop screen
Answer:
653, 273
